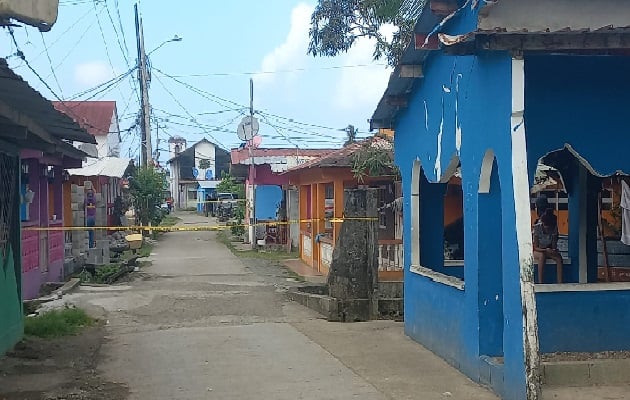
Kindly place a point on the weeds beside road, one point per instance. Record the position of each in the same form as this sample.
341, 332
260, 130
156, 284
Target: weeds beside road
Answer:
272, 255
56, 323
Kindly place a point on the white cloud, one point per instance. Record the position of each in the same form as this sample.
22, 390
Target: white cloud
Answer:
92, 73
362, 86
292, 53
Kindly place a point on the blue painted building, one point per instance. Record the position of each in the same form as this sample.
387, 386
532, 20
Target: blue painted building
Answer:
488, 90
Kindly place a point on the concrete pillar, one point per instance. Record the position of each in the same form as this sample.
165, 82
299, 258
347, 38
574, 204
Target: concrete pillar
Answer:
353, 275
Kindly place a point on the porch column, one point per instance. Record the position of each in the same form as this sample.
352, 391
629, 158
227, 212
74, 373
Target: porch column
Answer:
314, 225
521, 368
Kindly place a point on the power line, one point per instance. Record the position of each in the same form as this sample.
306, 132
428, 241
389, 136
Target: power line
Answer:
52, 70
20, 54
100, 27
124, 50
282, 71
212, 97
103, 86
186, 110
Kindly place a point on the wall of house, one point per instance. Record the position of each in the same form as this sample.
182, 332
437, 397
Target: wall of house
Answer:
264, 176
268, 198
113, 137
11, 327
459, 114
584, 321
11, 315
205, 150
575, 99
102, 145
293, 214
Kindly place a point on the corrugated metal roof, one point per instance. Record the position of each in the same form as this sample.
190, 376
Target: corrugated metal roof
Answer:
518, 16
342, 158
93, 116
42, 116
242, 156
113, 167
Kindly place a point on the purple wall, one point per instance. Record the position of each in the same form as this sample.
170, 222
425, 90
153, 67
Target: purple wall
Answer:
264, 176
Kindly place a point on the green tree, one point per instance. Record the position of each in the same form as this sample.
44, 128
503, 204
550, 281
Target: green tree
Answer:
229, 185
147, 190
337, 24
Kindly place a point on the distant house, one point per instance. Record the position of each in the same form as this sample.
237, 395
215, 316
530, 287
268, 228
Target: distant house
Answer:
276, 200
99, 119
203, 161
321, 183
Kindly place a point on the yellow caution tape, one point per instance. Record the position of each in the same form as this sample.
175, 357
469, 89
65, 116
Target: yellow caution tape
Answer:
191, 228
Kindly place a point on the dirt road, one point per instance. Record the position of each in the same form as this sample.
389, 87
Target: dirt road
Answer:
202, 324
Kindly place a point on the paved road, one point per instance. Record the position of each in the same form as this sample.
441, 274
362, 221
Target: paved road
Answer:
202, 325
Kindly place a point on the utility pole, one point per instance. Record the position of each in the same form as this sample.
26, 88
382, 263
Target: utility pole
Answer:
252, 174
145, 122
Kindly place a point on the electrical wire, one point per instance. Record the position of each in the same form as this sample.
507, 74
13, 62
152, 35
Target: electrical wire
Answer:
277, 71
21, 55
52, 70
187, 112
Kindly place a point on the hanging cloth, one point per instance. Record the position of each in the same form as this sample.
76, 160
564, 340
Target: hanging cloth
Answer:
625, 213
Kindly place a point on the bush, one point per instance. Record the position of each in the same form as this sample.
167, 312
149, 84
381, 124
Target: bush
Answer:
56, 323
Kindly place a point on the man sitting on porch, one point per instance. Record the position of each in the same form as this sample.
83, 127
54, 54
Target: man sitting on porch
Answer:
545, 236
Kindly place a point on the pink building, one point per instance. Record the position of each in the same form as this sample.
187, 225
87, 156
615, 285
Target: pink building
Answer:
275, 200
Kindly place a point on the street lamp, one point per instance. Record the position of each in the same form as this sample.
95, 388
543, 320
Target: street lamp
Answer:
174, 39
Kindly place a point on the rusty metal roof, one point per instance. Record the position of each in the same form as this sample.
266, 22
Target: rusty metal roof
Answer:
24, 106
342, 158
94, 116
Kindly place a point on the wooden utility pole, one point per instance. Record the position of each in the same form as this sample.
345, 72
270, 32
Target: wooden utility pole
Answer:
145, 120
252, 174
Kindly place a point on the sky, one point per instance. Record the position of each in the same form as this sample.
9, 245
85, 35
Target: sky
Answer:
200, 85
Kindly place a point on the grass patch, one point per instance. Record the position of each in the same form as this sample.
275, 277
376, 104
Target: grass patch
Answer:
170, 220
56, 323
225, 238
145, 250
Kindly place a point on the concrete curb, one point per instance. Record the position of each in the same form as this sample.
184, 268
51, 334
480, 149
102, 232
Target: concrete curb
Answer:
581, 373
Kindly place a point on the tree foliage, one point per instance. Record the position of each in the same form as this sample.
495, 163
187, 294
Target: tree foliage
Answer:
337, 24
373, 160
229, 185
147, 190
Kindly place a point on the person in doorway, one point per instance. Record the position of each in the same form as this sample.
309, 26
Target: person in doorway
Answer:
207, 205
169, 204
545, 237
542, 205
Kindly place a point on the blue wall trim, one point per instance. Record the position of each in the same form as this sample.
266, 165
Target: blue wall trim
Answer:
584, 321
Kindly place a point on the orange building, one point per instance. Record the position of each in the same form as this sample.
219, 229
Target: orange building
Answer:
321, 184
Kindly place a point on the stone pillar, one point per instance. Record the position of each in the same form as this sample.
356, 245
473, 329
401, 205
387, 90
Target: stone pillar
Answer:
353, 275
